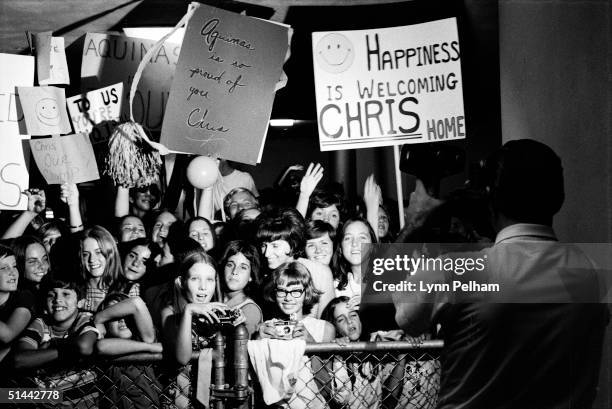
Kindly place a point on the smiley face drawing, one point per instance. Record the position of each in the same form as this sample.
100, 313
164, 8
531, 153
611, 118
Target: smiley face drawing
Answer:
335, 53
47, 112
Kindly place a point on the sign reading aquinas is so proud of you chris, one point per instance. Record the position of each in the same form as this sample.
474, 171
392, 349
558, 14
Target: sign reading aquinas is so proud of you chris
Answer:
388, 86
223, 89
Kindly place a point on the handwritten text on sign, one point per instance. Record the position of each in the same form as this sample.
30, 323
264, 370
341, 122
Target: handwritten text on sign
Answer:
223, 89
65, 159
15, 70
388, 86
13, 174
109, 59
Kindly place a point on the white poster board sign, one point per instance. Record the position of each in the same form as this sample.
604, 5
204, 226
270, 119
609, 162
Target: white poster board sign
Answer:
390, 86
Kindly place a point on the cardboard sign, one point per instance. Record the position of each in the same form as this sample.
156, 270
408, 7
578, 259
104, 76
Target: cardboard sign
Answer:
65, 159
44, 109
15, 71
14, 176
388, 86
109, 59
223, 89
94, 108
51, 65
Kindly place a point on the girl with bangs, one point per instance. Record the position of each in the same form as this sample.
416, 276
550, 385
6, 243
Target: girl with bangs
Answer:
292, 290
100, 265
281, 237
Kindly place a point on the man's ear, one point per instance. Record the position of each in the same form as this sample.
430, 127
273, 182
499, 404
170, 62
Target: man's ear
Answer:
131, 199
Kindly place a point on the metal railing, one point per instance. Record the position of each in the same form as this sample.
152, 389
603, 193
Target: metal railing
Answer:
376, 375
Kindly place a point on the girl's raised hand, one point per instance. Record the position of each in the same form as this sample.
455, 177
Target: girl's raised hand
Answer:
372, 195
70, 194
311, 179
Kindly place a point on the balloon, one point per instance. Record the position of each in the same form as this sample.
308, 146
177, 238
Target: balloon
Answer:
202, 172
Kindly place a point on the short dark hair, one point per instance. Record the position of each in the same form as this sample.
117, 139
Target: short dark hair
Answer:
328, 312
322, 199
525, 181
6, 251
53, 283
283, 224
318, 228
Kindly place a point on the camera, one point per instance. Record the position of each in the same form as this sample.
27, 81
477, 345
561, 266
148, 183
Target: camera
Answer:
284, 329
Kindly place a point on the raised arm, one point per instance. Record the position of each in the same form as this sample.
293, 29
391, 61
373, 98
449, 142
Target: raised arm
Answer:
70, 196
37, 202
373, 199
122, 201
311, 179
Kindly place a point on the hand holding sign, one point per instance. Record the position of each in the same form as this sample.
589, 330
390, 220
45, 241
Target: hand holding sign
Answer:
69, 194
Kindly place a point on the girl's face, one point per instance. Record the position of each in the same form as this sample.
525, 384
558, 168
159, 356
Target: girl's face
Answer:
347, 322
9, 276
159, 233
383, 222
355, 234
131, 229
200, 231
276, 252
118, 328
237, 272
36, 263
320, 249
135, 263
329, 214
93, 259
51, 236
200, 284
290, 298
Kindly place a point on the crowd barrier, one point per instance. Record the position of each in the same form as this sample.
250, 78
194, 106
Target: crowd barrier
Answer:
373, 375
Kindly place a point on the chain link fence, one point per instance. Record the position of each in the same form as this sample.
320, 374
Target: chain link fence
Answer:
376, 375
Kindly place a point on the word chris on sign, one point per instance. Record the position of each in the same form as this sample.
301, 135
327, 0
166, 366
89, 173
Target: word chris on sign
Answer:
388, 86
222, 94
65, 159
109, 59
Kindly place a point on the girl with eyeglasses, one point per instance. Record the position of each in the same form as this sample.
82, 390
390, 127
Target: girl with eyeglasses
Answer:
294, 294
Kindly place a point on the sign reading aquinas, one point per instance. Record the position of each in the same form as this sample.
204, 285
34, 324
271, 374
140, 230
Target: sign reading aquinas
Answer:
223, 89
388, 86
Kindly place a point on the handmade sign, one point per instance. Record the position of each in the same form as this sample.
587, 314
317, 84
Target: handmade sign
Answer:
51, 65
44, 109
222, 94
388, 86
13, 173
65, 159
109, 59
102, 106
15, 71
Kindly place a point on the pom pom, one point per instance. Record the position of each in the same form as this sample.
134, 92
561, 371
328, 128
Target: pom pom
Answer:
131, 161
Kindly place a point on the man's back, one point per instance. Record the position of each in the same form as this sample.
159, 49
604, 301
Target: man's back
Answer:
520, 353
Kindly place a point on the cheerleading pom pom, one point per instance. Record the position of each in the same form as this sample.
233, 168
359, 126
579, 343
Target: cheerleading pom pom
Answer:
202, 172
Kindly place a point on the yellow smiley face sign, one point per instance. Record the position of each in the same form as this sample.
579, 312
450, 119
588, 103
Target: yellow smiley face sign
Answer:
335, 53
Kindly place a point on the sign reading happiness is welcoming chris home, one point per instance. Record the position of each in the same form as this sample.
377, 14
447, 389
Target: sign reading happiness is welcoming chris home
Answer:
388, 86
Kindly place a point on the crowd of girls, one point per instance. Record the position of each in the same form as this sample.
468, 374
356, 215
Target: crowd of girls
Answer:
149, 281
